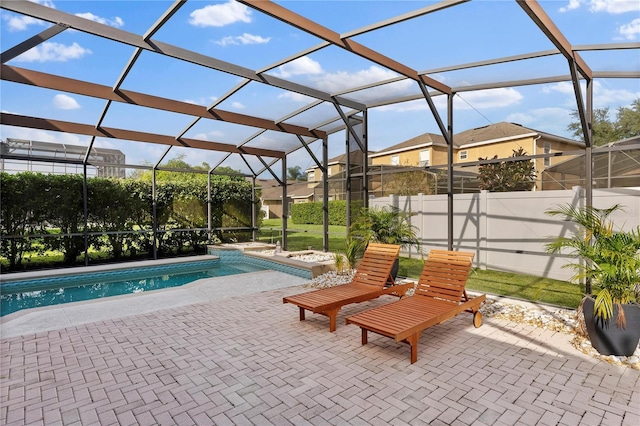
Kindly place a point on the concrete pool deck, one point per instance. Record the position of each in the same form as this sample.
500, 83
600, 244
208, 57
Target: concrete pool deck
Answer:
213, 356
72, 314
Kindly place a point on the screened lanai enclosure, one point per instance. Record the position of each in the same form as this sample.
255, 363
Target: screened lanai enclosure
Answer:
189, 104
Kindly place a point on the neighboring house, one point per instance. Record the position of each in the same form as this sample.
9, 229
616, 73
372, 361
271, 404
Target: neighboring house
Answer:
499, 139
271, 196
424, 150
611, 169
335, 167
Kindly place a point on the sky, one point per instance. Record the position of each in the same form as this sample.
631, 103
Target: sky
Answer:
231, 32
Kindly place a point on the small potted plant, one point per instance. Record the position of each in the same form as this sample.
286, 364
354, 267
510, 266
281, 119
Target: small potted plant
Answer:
339, 263
611, 260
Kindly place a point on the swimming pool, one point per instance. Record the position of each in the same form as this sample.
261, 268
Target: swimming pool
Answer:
25, 294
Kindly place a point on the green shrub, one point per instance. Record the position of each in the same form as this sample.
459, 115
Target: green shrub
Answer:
53, 206
311, 213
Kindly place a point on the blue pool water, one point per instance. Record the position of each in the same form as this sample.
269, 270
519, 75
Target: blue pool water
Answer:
25, 294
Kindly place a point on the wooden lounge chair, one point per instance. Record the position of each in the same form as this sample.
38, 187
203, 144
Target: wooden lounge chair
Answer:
368, 283
439, 295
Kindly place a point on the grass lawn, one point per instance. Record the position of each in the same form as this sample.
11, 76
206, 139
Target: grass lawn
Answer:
519, 286
301, 237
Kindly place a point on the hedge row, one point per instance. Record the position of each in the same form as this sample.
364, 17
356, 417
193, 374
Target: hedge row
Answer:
311, 213
38, 212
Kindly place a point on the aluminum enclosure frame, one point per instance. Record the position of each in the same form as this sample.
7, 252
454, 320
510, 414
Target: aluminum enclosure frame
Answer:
578, 70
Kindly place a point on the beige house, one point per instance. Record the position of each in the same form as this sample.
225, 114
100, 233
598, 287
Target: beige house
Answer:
335, 167
424, 150
500, 139
271, 196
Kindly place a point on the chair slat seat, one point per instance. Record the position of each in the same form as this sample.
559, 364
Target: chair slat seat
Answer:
374, 271
439, 295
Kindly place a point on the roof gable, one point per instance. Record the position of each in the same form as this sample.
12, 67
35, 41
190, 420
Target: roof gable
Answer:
499, 132
423, 140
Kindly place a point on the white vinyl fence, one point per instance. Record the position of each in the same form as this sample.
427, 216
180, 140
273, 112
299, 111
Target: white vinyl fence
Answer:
508, 230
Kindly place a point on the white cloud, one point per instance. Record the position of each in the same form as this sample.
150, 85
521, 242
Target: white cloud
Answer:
481, 99
237, 105
491, 98
614, 6
202, 101
538, 116
115, 22
219, 15
573, 4
300, 66
602, 96
562, 87
631, 30
296, 97
245, 38
61, 101
209, 136
605, 97
341, 80
49, 51
20, 23
554, 120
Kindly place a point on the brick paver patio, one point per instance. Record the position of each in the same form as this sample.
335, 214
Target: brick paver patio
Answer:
248, 360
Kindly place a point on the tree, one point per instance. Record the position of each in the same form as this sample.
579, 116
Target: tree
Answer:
411, 182
504, 176
626, 124
295, 173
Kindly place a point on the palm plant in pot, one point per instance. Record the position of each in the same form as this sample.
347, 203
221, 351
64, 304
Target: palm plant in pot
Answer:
385, 225
611, 260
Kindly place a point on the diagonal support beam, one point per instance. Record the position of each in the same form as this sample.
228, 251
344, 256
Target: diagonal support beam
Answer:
349, 127
436, 115
268, 168
243, 158
312, 155
544, 22
285, 15
584, 122
32, 42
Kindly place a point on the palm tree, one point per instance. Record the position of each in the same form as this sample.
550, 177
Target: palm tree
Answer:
385, 225
611, 260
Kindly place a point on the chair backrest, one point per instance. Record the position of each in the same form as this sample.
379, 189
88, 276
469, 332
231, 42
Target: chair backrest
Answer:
445, 275
375, 266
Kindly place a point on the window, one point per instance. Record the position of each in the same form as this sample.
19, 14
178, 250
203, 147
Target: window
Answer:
425, 157
329, 170
464, 154
547, 150
311, 176
395, 160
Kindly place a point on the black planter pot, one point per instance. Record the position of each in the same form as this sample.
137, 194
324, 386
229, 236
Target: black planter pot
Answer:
606, 337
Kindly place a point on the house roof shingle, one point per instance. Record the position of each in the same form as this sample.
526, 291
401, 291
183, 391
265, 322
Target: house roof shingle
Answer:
480, 135
425, 139
500, 131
